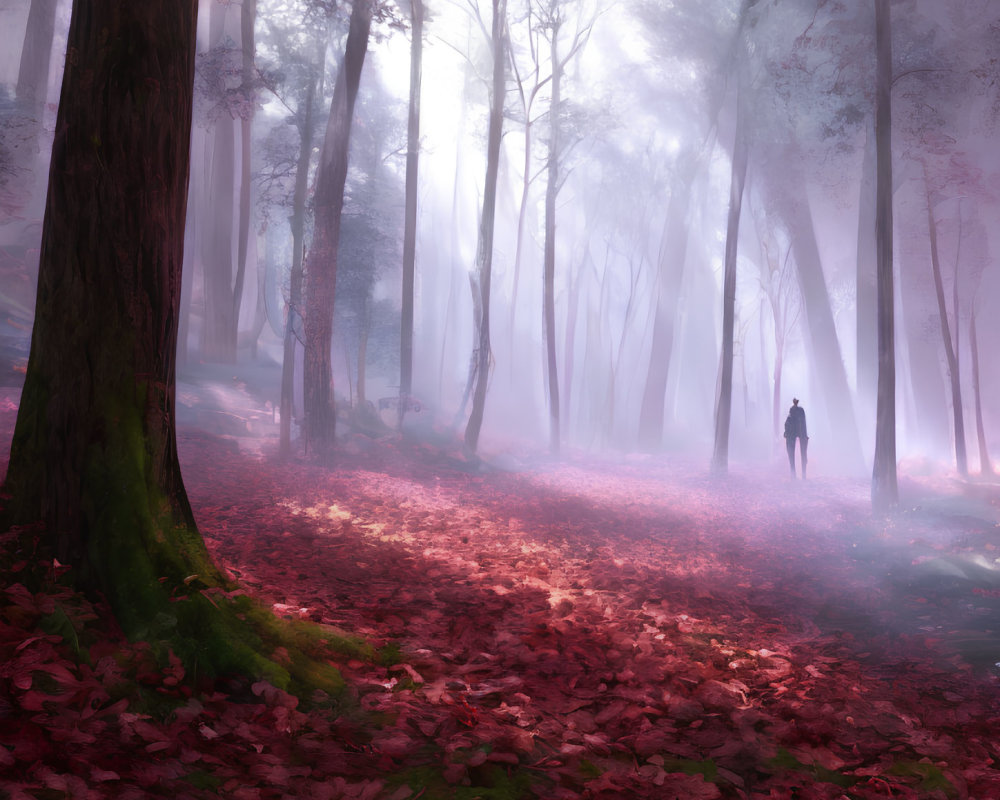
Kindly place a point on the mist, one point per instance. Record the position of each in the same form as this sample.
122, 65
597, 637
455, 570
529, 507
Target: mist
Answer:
487, 353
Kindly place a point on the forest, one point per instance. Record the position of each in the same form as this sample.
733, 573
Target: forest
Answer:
409, 399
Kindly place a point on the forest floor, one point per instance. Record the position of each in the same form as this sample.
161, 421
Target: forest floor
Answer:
587, 628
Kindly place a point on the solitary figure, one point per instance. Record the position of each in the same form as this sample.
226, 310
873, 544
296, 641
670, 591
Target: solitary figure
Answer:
795, 428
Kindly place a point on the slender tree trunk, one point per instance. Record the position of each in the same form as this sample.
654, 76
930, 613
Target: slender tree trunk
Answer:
293, 313
723, 410
985, 464
248, 14
866, 331
885, 492
218, 339
484, 251
961, 459
673, 250
321, 265
549, 272
365, 323
410, 213
33, 73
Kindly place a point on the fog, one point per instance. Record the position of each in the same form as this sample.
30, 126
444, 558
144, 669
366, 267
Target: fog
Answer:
649, 111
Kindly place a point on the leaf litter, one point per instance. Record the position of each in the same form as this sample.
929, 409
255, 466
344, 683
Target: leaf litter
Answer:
587, 629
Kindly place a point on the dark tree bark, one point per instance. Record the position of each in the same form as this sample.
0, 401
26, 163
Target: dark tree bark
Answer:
885, 491
484, 250
94, 452
723, 409
950, 348
410, 212
985, 464
321, 264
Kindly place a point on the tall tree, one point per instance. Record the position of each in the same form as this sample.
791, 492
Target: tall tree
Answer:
33, 72
487, 220
410, 211
885, 491
950, 346
94, 452
328, 205
723, 408
985, 464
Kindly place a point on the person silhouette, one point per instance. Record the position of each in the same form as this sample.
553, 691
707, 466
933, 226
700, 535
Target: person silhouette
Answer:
795, 429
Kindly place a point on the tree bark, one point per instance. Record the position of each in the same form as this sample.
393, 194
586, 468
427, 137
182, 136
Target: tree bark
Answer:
985, 464
673, 250
410, 211
885, 491
248, 14
293, 312
549, 269
866, 356
321, 264
484, 250
723, 410
958, 418
33, 71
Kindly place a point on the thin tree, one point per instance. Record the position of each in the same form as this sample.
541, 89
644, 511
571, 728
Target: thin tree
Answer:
985, 464
328, 205
723, 408
487, 221
94, 453
950, 347
248, 15
885, 491
410, 210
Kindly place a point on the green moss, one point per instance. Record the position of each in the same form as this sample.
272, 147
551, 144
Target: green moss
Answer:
932, 779
784, 760
389, 655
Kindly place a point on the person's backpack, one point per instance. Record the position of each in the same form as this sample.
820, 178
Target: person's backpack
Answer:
789, 427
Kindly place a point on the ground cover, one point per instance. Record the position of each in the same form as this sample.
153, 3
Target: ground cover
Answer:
627, 628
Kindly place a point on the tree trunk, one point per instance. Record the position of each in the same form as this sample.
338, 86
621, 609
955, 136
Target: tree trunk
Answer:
723, 409
248, 14
549, 272
410, 212
985, 465
321, 264
866, 357
961, 460
484, 250
673, 250
94, 452
293, 313
885, 492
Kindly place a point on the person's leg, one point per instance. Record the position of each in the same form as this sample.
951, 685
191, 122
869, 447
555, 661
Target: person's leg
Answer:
804, 443
790, 447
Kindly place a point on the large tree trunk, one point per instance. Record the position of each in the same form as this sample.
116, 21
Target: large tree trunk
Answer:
723, 408
321, 265
410, 212
94, 452
824, 346
885, 492
961, 460
985, 465
484, 250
